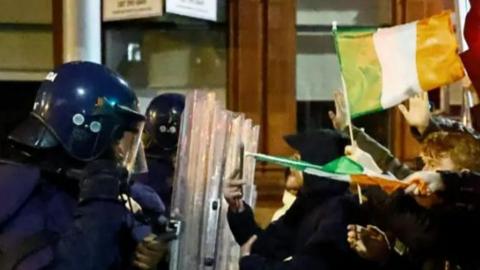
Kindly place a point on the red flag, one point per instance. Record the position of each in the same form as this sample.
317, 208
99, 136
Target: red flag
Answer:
472, 25
471, 58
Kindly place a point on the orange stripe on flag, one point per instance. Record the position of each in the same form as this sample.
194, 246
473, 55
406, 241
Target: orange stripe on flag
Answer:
388, 186
437, 60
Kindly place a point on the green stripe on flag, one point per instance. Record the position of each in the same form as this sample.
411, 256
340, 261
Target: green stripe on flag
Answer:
285, 162
342, 165
361, 70
341, 169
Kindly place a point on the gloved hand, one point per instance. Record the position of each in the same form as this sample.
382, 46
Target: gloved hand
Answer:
103, 179
151, 251
369, 242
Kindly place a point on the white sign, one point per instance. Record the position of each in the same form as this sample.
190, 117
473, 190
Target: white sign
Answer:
114, 10
201, 9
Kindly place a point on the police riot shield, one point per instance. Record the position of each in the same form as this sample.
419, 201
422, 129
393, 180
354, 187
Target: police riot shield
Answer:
213, 194
251, 146
211, 144
229, 253
190, 182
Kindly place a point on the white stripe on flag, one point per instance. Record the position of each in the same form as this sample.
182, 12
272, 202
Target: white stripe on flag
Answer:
396, 51
332, 176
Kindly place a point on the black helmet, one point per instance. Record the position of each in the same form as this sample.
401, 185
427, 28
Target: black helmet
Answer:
82, 107
162, 125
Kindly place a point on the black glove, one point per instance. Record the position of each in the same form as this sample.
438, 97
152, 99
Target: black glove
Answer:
103, 180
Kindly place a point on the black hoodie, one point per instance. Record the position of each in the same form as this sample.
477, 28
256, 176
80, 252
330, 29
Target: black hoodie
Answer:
313, 231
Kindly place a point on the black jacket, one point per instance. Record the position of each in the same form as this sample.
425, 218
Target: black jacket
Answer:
440, 123
462, 190
312, 234
445, 232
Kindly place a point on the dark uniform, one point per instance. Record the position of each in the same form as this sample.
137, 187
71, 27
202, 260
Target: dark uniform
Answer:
61, 210
160, 138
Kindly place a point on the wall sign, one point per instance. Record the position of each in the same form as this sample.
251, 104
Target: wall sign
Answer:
200, 9
114, 10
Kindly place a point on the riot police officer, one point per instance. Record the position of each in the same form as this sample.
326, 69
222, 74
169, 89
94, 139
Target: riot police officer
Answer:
62, 209
160, 138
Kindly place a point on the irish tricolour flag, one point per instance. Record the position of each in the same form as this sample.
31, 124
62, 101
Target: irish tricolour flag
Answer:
383, 67
342, 169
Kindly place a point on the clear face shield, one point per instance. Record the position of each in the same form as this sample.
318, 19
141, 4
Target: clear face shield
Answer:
128, 149
130, 152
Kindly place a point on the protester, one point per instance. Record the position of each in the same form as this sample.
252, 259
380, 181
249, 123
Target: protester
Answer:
293, 184
311, 234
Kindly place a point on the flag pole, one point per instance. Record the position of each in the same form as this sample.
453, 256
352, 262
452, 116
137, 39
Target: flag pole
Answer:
350, 129
344, 90
347, 104
347, 108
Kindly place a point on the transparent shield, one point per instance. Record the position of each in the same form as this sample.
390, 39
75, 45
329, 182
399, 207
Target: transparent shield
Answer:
128, 149
140, 166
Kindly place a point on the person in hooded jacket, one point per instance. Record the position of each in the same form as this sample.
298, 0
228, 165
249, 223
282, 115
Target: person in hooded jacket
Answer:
311, 234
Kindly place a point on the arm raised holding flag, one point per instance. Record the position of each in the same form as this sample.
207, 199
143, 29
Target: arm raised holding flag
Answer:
381, 155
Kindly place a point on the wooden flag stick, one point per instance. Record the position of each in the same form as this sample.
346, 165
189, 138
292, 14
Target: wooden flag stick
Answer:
347, 105
347, 108
360, 195
344, 88
350, 129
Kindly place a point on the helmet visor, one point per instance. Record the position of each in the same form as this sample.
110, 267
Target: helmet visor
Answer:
129, 150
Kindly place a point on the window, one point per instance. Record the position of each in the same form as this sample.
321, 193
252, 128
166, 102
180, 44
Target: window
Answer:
168, 54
